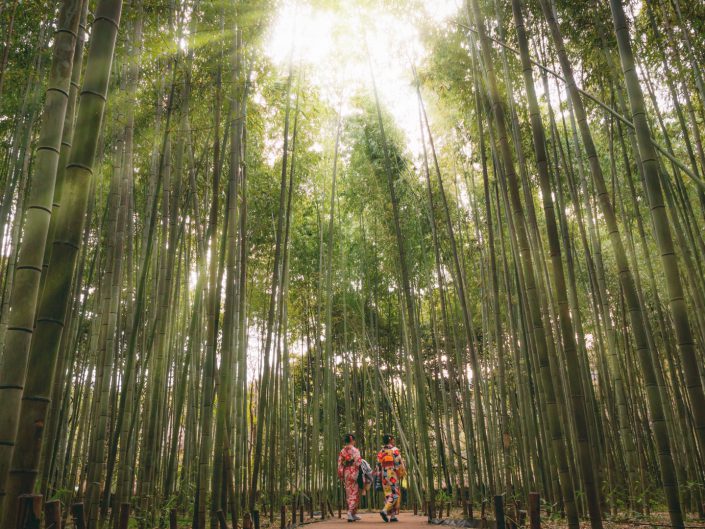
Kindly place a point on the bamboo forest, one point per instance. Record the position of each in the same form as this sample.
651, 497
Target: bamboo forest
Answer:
239, 238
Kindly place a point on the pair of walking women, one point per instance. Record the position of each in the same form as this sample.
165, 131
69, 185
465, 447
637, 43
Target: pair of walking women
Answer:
357, 476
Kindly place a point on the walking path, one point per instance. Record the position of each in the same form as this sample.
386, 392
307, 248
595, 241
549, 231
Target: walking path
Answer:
372, 520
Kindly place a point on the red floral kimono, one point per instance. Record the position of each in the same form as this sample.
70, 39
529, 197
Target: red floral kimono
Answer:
348, 467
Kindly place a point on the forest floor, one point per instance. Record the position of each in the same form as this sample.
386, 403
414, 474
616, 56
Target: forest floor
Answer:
657, 520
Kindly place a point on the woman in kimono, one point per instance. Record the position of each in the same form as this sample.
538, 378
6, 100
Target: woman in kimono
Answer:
391, 469
349, 461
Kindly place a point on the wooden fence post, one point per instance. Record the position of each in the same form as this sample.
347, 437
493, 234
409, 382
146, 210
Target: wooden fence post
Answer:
499, 512
29, 511
535, 510
52, 514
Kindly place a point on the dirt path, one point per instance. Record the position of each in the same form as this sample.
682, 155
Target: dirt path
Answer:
372, 520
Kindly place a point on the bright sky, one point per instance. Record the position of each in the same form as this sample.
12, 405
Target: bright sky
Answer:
331, 44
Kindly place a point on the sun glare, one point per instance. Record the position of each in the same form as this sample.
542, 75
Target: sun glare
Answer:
333, 46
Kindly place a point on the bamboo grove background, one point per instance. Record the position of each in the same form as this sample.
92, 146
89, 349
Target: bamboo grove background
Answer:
210, 273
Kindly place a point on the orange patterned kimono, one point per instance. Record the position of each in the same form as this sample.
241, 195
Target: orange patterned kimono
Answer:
391, 469
348, 467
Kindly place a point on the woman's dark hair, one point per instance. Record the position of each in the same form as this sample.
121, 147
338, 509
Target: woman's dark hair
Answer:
386, 438
348, 437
